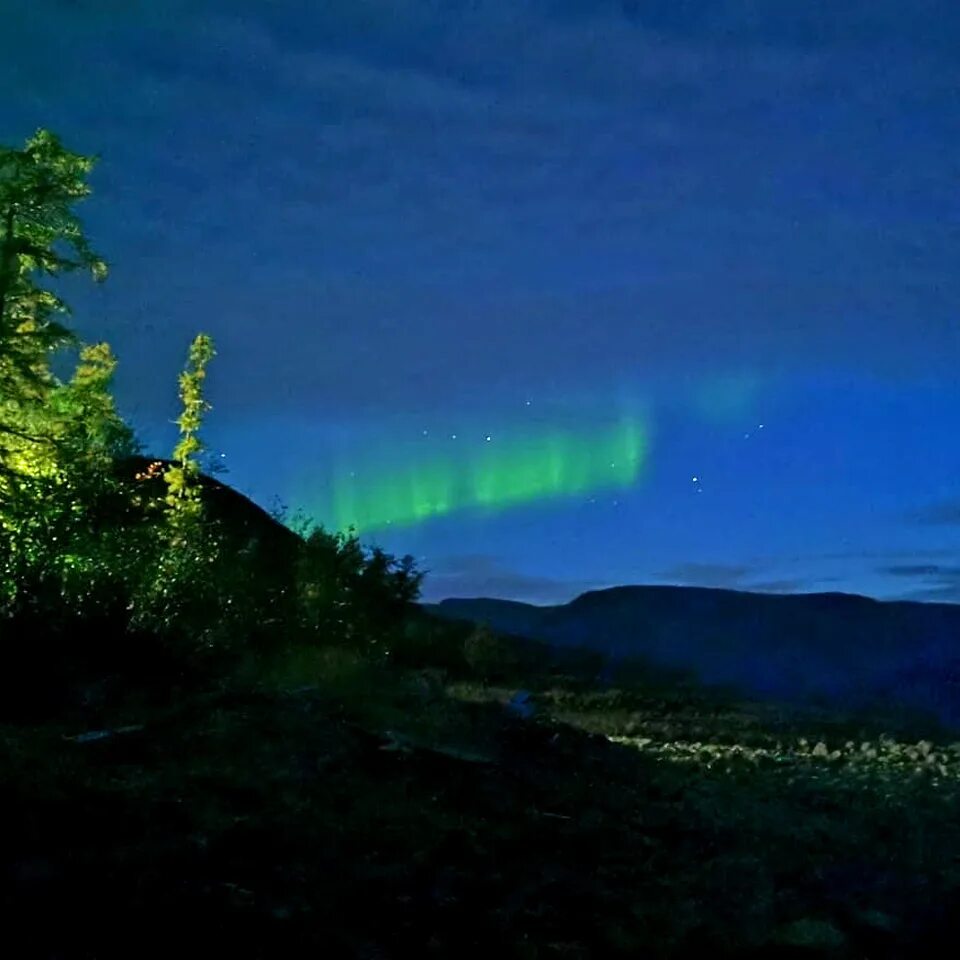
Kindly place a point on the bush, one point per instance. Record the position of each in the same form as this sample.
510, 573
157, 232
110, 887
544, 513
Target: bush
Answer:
490, 657
428, 642
345, 594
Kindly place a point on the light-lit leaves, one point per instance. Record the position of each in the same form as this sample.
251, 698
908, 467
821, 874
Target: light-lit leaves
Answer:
40, 236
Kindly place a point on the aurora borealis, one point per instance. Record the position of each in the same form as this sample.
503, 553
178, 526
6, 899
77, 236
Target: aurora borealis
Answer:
692, 267
500, 474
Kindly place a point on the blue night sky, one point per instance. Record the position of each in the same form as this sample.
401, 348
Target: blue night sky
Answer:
521, 218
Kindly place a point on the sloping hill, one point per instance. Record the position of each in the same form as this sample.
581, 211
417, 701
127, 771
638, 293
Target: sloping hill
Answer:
243, 519
835, 646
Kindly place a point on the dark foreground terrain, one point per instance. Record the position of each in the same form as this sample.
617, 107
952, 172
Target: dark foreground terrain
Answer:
324, 805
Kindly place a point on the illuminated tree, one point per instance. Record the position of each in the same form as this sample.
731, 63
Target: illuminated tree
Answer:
58, 441
190, 588
80, 542
40, 237
183, 495
88, 432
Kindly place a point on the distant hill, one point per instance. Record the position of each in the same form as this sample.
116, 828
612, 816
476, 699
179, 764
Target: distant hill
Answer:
805, 646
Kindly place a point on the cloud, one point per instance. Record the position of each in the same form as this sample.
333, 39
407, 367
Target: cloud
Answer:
759, 576
707, 574
920, 553
782, 585
935, 583
944, 514
851, 25
946, 593
921, 570
481, 575
385, 184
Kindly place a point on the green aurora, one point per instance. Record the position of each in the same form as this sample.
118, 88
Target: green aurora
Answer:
495, 476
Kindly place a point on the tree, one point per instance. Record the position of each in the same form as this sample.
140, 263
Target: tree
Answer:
58, 440
40, 237
54, 523
85, 425
80, 543
187, 583
348, 594
183, 495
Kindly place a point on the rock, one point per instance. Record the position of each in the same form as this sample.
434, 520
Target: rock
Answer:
91, 736
521, 705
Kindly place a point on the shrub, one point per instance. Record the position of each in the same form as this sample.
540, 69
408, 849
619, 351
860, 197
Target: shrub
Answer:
345, 594
429, 642
490, 657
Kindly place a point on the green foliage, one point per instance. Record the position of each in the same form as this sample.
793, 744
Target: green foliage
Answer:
57, 440
183, 497
82, 547
347, 594
188, 589
90, 434
211, 592
488, 655
40, 236
431, 643
55, 519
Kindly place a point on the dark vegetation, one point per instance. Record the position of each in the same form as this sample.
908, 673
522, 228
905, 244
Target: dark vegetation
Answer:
219, 736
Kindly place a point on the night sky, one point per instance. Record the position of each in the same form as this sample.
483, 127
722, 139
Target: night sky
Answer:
552, 294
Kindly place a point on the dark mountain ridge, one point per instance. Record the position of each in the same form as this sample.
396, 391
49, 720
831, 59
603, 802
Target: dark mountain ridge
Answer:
827, 646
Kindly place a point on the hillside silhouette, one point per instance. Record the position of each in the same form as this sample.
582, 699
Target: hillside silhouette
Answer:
830, 647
